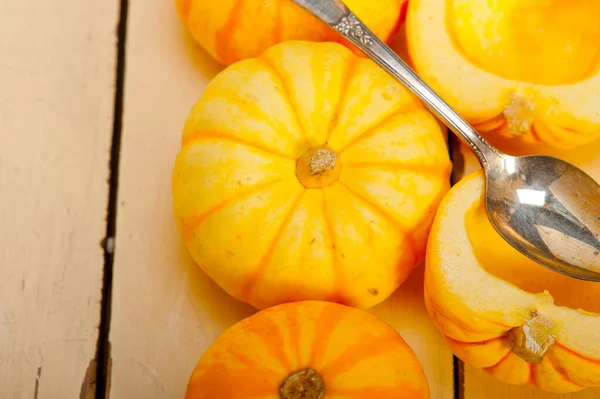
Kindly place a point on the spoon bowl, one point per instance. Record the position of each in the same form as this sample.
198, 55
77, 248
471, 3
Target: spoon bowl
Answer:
546, 208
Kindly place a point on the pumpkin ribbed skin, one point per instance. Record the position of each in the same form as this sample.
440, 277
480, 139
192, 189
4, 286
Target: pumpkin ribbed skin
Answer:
264, 236
233, 30
523, 72
356, 355
482, 309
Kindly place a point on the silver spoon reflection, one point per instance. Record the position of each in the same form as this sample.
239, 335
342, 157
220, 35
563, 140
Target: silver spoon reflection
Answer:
546, 208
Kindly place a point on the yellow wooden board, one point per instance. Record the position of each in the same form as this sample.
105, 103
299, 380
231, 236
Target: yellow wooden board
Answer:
57, 74
165, 310
477, 383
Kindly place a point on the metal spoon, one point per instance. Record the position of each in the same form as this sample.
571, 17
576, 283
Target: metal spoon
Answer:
546, 208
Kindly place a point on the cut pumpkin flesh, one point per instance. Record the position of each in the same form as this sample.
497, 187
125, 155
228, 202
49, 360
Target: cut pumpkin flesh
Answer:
502, 312
527, 69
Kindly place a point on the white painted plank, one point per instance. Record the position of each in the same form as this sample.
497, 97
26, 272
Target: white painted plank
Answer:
57, 74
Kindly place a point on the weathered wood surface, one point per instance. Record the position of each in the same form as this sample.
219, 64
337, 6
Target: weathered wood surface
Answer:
57, 75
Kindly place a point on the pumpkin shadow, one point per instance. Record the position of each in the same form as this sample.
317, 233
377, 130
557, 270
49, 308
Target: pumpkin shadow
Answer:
209, 298
406, 306
206, 65
405, 311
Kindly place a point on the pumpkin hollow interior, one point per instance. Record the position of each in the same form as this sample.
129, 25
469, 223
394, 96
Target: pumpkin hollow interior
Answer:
547, 42
505, 262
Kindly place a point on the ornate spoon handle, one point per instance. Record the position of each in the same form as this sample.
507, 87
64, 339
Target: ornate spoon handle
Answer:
340, 18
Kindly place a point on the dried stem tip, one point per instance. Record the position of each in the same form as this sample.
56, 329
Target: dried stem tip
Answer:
318, 167
532, 340
519, 115
304, 384
322, 160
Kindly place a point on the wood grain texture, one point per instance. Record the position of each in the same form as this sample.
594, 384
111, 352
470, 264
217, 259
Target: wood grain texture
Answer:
166, 312
57, 75
477, 383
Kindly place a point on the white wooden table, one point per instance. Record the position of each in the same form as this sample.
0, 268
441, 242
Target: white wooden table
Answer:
90, 123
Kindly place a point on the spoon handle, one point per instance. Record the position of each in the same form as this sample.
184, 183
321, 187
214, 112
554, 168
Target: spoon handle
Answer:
339, 17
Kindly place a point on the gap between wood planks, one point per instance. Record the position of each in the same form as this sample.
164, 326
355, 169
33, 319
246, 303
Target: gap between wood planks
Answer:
458, 170
103, 358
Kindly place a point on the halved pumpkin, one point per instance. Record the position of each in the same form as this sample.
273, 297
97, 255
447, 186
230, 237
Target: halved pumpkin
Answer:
527, 69
503, 312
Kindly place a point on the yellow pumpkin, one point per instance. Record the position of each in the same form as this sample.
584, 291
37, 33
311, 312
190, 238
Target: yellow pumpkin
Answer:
308, 173
526, 71
309, 350
502, 312
233, 30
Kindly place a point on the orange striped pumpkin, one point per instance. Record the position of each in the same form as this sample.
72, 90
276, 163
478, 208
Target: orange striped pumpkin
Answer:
309, 350
308, 173
233, 30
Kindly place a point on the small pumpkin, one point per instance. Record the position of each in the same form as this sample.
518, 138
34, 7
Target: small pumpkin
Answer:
525, 71
233, 30
502, 312
308, 173
309, 350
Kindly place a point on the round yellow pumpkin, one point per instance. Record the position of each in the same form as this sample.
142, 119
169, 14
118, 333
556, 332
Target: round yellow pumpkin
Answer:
520, 71
502, 312
233, 30
309, 350
308, 173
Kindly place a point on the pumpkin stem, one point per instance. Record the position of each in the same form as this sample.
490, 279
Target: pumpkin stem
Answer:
318, 167
303, 384
321, 161
519, 115
532, 340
